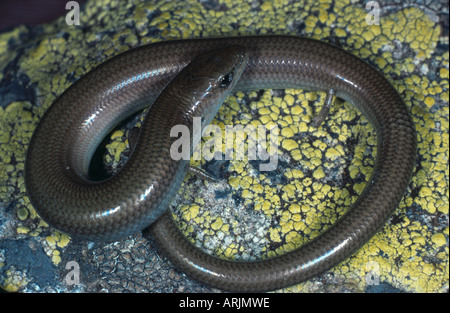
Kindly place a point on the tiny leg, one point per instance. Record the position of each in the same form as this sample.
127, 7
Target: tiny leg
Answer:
202, 174
320, 118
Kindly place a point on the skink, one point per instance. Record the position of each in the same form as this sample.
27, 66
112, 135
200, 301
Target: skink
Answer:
66, 137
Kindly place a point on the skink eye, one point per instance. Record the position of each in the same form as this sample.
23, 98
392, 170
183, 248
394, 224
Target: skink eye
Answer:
226, 80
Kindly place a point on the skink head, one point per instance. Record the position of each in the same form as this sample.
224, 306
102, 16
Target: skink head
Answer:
220, 68
207, 81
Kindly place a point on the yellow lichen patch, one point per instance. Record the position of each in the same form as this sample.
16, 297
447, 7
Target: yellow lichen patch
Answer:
116, 147
15, 280
22, 214
190, 212
52, 243
63, 241
318, 173
438, 239
289, 144
23, 230
228, 253
217, 224
17, 123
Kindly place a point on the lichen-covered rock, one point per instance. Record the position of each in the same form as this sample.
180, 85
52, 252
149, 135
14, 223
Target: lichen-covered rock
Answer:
250, 214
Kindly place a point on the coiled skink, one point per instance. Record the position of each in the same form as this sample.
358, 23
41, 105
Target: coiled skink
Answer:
63, 143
